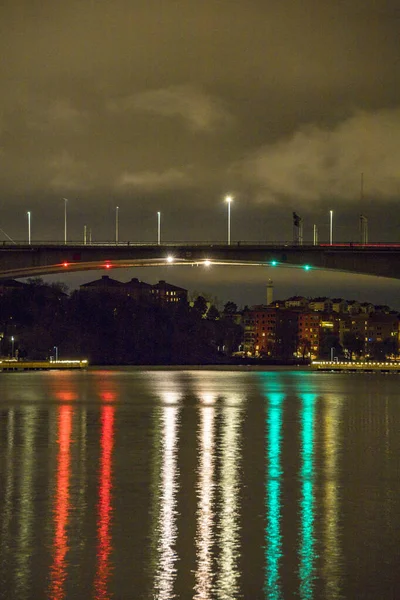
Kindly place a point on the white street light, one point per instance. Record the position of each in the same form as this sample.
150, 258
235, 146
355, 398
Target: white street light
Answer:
29, 226
65, 219
116, 224
331, 227
229, 200
12, 346
158, 228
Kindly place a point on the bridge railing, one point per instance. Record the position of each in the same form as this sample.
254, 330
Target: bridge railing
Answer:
235, 244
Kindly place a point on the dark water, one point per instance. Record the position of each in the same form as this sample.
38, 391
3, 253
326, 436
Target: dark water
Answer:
199, 484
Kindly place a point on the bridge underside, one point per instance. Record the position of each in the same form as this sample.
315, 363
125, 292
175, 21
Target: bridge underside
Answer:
38, 260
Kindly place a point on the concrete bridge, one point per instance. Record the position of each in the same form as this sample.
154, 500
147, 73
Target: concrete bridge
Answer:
27, 260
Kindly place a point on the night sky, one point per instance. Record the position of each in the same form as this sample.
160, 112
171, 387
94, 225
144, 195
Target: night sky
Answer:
169, 106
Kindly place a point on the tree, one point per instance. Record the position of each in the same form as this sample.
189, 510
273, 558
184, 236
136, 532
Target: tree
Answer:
230, 309
353, 343
213, 313
200, 305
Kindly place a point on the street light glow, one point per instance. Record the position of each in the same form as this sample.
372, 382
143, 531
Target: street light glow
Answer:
207, 262
229, 199
170, 259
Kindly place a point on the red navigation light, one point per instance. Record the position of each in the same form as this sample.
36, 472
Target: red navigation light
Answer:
65, 264
108, 266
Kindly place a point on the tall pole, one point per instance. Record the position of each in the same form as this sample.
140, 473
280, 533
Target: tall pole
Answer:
12, 346
229, 200
116, 224
331, 227
84, 234
65, 220
29, 226
315, 235
158, 228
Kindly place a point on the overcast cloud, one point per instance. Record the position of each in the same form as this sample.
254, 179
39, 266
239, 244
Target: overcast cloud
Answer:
171, 105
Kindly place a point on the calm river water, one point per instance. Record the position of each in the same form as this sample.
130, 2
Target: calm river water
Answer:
203, 484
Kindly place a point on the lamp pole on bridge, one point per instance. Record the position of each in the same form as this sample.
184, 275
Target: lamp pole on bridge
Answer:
65, 220
158, 228
116, 224
229, 200
331, 227
29, 226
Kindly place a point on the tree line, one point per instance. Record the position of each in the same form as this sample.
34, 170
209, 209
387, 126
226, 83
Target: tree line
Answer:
110, 328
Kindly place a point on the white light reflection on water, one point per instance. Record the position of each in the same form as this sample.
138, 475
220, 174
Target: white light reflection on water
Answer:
307, 554
205, 495
229, 573
166, 530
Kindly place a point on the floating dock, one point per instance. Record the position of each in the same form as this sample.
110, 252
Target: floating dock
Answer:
42, 365
356, 366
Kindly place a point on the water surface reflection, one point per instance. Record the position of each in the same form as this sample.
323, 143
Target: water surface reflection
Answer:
198, 484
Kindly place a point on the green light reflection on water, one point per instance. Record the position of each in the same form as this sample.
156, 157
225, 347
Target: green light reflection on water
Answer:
273, 534
307, 553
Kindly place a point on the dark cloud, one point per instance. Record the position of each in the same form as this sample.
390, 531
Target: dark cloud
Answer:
169, 106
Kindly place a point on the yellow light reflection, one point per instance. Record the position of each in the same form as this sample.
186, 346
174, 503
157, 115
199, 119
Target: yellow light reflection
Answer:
332, 554
9, 489
26, 508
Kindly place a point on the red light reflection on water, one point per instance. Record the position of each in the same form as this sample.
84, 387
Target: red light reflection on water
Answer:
61, 503
104, 507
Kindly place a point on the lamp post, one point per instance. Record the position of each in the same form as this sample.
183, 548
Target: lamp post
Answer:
65, 220
331, 227
12, 346
229, 200
158, 228
29, 226
116, 224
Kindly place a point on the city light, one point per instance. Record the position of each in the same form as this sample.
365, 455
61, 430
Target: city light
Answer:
274, 263
107, 266
65, 264
307, 267
207, 263
170, 259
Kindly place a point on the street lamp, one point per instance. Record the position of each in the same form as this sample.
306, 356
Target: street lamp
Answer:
158, 228
12, 346
116, 224
229, 200
331, 227
65, 220
29, 226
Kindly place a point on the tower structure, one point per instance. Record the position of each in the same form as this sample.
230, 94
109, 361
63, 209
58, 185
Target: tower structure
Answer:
270, 292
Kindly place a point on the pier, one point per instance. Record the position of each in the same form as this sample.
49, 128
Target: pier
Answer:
42, 365
356, 366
